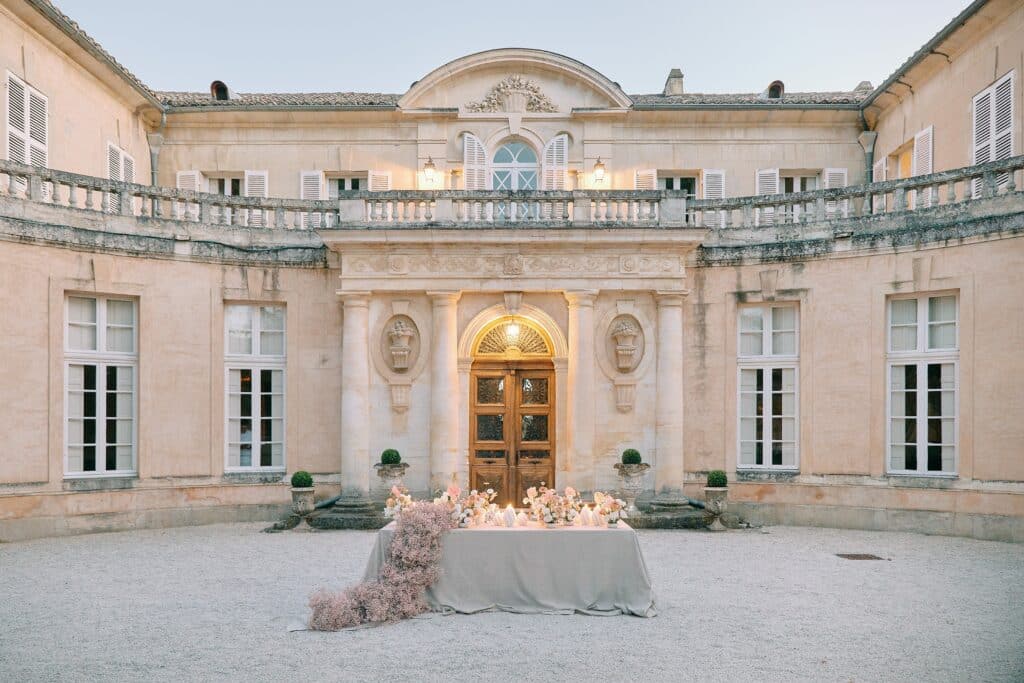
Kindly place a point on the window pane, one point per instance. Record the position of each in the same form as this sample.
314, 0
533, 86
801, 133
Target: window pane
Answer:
903, 338
272, 318
784, 343
750, 344
751, 319
120, 339
490, 390
904, 311
271, 343
747, 453
490, 427
535, 391
120, 312
942, 336
239, 323
81, 337
941, 309
534, 427
783, 318
81, 310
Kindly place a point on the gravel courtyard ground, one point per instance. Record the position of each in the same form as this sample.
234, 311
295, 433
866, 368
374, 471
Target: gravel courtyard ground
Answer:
213, 603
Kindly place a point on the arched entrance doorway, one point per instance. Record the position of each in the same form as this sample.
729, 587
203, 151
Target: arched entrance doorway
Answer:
511, 409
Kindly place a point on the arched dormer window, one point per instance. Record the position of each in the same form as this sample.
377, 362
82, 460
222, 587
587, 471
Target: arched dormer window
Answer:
514, 167
776, 90
219, 91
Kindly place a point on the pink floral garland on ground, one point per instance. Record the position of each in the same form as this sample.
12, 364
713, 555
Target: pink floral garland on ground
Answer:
412, 565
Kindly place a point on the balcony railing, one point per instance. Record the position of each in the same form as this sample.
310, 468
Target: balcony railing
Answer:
410, 209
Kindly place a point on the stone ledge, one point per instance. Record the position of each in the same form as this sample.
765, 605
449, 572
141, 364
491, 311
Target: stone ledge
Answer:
100, 483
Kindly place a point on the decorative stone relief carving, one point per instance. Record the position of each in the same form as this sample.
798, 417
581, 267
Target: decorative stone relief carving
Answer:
515, 264
400, 331
399, 354
627, 343
513, 94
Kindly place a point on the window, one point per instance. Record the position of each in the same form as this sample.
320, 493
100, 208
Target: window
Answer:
229, 186
255, 365
687, 184
100, 385
27, 124
922, 383
768, 370
993, 127
514, 167
338, 184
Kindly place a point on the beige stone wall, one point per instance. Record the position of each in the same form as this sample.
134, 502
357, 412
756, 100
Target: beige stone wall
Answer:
181, 368
942, 97
842, 303
84, 113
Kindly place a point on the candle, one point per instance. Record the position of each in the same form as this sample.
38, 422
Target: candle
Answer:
522, 519
510, 516
586, 518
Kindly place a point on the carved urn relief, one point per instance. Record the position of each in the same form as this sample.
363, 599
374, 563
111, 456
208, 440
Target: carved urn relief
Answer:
622, 355
400, 333
625, 331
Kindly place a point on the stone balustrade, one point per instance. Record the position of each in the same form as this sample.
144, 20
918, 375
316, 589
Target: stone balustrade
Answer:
405, 209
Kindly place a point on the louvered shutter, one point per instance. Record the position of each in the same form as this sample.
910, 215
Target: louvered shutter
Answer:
555, 170
17, 139
1002, 119
992, 127
766, 181
878, 176
645, 179
188, 180
115, 173
378, 181
474, 163
835, 177
311, 186
713, 187
922, 164
37, 129
128, 166
256, 186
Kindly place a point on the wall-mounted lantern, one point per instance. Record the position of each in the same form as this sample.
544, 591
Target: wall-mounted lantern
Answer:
599, 171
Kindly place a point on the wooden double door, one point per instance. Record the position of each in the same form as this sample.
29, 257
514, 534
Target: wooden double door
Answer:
512, 428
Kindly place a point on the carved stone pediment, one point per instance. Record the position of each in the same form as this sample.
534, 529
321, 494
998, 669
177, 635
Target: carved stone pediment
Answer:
513, 94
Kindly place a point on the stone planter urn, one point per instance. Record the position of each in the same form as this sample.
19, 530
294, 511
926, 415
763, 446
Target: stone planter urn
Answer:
391, 474
400, 336
625, 334
631, 481
715, 502
302, 500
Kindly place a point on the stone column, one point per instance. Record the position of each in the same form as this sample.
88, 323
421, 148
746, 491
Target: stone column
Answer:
355, 396
668, 478
444, 389
581, 389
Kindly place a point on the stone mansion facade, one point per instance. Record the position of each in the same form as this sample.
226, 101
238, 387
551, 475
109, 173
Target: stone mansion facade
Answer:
510, 273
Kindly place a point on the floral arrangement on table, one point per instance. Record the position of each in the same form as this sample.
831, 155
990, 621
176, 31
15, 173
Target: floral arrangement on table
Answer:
548, 507
398, 501
476, 509
609, 508
412, 565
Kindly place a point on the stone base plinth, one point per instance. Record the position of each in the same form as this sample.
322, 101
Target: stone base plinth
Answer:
681, 517
357, 513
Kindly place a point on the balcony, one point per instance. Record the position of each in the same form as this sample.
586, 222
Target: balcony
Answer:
833, 212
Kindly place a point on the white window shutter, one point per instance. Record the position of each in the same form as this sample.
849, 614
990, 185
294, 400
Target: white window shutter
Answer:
378, 181
311, 186
922, 162
645, 179
474, 163
1002, 124
128, 168
114, 172
878, 176
766, 181
555, 160
255, 185
37, 129
17, 122
713, 187
835, 177
193, 181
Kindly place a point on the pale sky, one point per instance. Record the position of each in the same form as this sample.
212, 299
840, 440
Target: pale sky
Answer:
385, 45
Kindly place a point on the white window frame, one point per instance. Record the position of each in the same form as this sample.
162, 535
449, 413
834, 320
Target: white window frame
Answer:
768, 361
922, 357
333, 178
102, 358
254, 362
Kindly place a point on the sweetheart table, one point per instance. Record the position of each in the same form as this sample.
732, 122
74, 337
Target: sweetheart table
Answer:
536, 570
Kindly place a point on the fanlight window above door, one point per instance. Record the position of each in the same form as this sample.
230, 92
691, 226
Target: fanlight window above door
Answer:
513, 339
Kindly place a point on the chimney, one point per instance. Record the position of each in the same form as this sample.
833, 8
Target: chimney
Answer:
674, 83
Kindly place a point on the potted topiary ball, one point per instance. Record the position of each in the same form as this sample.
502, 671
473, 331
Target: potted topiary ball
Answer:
715, 494
391, 468
302, 493
631, 477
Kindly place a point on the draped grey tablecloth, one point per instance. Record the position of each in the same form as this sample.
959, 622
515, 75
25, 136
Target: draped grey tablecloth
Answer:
536, 570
